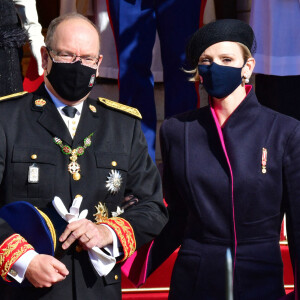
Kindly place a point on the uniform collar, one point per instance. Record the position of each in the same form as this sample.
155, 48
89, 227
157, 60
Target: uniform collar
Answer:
59, 105
246, 110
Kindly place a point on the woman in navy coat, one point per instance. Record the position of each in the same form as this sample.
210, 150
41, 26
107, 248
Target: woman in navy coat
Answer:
231, 170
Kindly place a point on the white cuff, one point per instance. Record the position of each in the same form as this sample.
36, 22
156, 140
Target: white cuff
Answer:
113, 248
102, 262
17, 272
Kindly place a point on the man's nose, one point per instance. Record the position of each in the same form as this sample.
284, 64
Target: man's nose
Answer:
77, 58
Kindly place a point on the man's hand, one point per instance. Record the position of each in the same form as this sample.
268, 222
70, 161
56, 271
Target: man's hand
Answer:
45, 270
87, 233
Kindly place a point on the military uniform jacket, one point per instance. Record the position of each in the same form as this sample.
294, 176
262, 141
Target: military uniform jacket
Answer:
228, 188
27, 128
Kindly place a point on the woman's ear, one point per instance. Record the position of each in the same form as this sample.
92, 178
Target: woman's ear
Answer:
248, 68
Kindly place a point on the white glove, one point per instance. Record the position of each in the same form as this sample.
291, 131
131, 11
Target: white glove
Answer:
102, 262
28, 14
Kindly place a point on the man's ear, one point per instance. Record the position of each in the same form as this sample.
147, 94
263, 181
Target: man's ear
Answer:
99, 62
45, 57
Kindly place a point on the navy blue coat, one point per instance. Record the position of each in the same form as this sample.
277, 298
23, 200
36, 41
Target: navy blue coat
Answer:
217, 203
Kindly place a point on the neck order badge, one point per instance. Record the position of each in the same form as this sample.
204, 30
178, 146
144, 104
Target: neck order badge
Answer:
74, 167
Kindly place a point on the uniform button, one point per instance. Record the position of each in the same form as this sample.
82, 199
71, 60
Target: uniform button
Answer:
116, 277
33, 156
73, 122
13, 272
78, 195
74, 128
114, 163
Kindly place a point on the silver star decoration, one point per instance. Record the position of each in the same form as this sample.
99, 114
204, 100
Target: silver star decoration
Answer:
114, 181
118, 212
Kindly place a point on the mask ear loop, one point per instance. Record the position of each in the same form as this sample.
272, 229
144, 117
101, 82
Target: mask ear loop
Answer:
49, 56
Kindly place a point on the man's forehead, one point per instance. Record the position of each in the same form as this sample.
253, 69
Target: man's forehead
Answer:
74, 33
75, 23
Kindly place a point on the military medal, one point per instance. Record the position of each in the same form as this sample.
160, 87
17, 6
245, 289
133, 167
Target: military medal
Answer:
102, 213
114, 181
264, 160
118, 212
74, 167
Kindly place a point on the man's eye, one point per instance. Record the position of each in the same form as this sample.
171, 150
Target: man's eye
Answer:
65, 55
89, 59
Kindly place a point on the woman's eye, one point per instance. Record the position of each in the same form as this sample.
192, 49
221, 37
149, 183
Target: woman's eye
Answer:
204, 61
227, 60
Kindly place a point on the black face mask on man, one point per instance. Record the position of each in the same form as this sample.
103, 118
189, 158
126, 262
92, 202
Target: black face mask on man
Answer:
72, 81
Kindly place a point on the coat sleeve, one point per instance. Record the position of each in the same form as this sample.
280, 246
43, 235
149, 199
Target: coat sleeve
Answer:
141, 222
291, 196
12, 245
171, 236
5, 229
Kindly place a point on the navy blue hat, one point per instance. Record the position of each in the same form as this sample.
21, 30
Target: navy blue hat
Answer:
231, 30
40, 227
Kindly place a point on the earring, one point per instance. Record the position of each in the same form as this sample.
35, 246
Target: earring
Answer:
246, 79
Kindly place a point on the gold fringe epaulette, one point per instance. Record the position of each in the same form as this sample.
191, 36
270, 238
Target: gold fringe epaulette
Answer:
113, 104
12, 96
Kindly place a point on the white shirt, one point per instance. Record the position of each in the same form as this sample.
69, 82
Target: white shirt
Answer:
71, 123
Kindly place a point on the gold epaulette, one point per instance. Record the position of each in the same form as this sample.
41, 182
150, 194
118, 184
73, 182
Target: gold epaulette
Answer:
12, 96
130, 110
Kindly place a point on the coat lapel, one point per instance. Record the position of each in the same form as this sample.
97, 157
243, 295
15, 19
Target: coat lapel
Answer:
50, 118
89, 122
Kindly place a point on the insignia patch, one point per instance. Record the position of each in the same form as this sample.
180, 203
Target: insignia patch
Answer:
114, 181
92, 80
40, 102
102, 213
33, 174
92, 108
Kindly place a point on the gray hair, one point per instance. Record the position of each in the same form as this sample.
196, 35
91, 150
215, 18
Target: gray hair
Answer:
55, 22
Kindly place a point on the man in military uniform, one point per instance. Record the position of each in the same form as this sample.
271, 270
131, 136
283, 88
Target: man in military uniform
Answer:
59, 142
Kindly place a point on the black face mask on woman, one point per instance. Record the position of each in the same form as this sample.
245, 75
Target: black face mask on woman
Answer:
220, 81
72, 81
